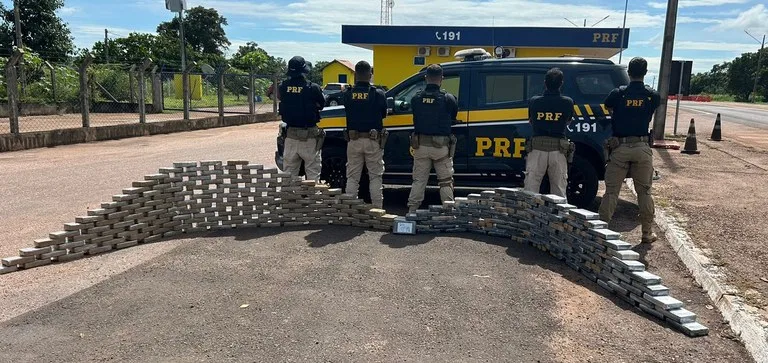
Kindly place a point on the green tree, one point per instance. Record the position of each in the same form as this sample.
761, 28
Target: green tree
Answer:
741, 76
714, 81
203, 30
41, 29
316, 73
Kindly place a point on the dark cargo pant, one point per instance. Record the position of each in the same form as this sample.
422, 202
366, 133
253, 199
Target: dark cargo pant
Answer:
636, 159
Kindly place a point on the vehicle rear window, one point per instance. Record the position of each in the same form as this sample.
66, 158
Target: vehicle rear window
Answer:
502, 88
333, 87
595, 83
535, 85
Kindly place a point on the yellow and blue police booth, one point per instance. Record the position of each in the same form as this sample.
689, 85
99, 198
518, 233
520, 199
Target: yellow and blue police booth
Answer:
400, 51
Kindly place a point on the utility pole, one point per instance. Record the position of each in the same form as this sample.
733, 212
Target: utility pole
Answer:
757, 71
181, 35
623, 28
106, 44
19, 44
660, 118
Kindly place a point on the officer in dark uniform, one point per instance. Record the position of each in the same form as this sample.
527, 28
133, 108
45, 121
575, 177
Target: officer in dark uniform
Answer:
550, 149
434, 111
366, 108
300, 105
629, 151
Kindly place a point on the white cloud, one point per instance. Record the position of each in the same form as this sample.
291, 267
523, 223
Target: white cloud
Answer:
716, 46
312, 51
754, 19
324, 16
68, 10
692, 3
86, 35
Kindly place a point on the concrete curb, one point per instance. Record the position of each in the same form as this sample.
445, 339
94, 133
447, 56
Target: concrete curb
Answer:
744, 319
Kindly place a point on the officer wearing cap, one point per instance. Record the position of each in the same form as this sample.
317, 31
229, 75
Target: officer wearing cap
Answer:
366, 108
300, 105
434, 111
549, 115
632, 108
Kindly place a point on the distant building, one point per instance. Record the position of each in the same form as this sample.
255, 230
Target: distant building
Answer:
339, 71
400, 51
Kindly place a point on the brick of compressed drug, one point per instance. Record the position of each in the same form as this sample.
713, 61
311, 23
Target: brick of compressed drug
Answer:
53, 254
144, 183
584, 214
70, 257
155, 176
101, 249
16, 260
60, 235
44, 242
70, 245
645, 277
663, 302
691, 329
681, 316
185, 164
606, 234
37, 263
617, 245
7, 269
72, 227
649, 310
87, 219
100, 211
126, 244
84, 248
624, 254
653, 290
33, 251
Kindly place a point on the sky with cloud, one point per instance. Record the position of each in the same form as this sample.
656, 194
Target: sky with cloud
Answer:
708, 31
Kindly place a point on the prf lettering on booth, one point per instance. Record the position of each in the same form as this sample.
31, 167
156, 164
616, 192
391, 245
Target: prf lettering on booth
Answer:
500, 147
605, 37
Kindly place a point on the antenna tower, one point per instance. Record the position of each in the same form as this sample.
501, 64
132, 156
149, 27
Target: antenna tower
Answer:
386, 12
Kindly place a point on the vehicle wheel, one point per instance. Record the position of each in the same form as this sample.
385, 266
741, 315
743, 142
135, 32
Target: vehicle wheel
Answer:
334, 171
582, 182
333, 103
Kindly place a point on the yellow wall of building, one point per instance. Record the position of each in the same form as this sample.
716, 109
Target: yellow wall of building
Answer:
393, 64
332, 71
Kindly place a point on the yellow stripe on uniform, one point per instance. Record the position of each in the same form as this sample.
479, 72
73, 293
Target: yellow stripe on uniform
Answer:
509, 114
589, 110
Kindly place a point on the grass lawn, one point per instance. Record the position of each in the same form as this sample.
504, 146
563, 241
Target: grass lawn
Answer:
211, 101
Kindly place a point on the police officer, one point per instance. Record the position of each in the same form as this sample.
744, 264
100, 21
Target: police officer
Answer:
434, 111
366, 107
632, 107
300, 105
549, 115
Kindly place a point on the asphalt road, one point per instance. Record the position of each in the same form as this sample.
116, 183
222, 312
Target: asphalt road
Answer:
746, 115
338, 294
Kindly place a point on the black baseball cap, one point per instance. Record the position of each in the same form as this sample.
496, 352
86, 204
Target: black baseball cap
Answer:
297, 65
363, 67
434, 70
638, 67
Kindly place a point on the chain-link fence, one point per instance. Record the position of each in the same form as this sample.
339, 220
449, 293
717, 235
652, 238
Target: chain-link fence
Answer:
50, 97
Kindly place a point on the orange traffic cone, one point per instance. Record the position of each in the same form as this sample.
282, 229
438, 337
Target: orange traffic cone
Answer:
716, 135
690, 141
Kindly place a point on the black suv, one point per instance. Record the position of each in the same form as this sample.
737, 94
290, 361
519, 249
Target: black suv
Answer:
492, 125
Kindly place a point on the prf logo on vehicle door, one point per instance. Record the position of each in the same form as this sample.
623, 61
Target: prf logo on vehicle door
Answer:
502, 147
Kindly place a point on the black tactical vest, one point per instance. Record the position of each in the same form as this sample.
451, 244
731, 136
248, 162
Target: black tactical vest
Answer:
634, 111
430, 113
363, 112
296, 106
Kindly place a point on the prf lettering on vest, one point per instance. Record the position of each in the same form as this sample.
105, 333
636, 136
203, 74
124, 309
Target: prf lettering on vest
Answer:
427, 100
500, 147
294, 89
635, 103
359, 96
605, 37
548, 116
